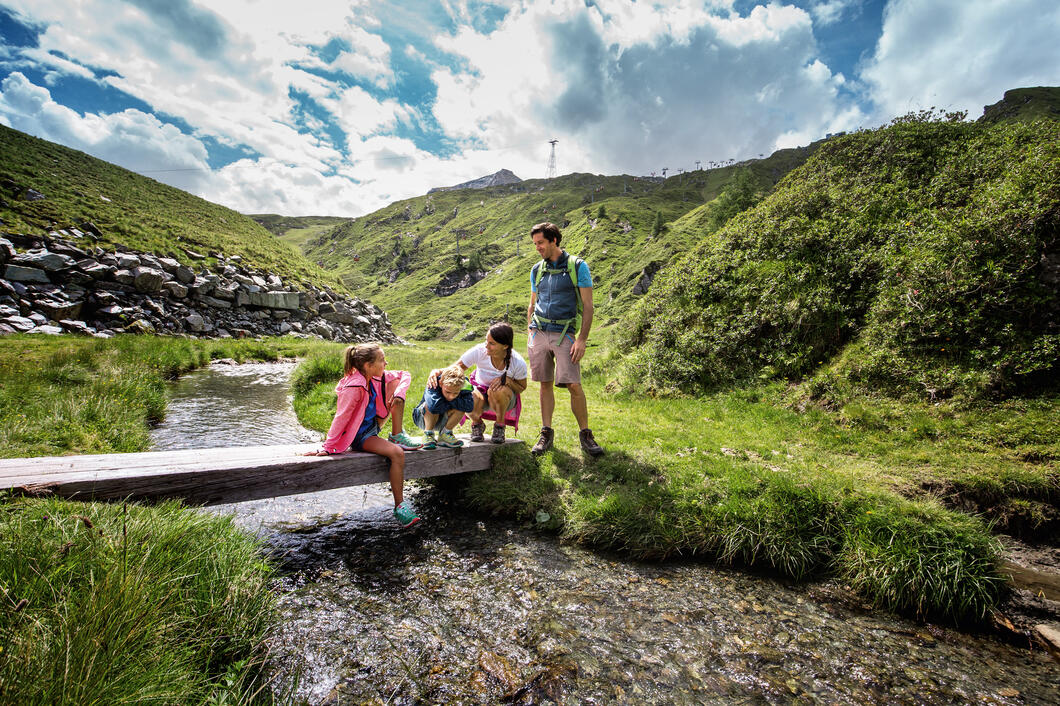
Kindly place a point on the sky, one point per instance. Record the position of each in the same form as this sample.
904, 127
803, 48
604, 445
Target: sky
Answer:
339, 107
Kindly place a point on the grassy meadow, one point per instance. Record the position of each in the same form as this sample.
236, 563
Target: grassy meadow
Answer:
755, 476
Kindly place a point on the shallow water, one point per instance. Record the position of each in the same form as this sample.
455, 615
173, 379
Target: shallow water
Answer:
231, 405
467, 609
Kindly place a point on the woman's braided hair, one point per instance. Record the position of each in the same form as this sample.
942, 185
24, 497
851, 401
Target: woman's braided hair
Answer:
502, 333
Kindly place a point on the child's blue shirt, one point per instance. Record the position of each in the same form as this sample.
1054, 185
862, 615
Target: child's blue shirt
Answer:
436, 403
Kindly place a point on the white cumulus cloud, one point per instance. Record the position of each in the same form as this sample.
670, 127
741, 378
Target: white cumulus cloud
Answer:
961, 55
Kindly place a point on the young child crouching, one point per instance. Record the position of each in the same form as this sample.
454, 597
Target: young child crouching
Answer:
445, 401
366, 394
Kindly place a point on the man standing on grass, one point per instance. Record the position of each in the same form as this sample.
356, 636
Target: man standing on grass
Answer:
558, 321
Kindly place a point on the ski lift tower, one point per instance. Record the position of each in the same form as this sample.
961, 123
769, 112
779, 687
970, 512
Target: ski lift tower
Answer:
552, 161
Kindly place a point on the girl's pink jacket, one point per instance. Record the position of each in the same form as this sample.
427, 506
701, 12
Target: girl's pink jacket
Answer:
352, 392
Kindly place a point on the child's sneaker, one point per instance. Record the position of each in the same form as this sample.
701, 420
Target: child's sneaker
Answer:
498, 434
429, 442
447, 439
405, 441
405, 515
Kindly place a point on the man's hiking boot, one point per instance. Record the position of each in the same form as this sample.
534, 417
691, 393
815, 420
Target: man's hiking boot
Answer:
429, 442
405, 515
405, 441
589, 444
447, 439
477, 431
498, 434
544, 441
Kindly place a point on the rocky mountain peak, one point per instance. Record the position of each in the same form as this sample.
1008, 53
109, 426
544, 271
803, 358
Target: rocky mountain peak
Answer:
500, 178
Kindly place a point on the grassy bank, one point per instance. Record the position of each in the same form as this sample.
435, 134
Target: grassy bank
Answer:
107, 604
754, 477
65, 394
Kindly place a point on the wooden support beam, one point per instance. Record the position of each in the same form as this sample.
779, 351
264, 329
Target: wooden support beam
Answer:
214, 476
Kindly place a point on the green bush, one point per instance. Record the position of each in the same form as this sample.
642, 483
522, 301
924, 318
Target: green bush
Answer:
919, 257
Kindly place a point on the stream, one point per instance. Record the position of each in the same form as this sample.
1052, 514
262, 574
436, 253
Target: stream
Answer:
471, 609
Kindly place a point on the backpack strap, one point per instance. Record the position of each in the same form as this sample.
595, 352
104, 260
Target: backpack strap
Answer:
572, 271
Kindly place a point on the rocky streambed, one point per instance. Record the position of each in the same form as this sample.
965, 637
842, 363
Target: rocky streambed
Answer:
60, 283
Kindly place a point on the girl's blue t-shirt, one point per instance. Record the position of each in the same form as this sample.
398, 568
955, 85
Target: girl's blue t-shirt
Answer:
369, 414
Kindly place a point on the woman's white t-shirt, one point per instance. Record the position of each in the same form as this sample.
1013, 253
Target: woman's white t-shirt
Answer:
477, 357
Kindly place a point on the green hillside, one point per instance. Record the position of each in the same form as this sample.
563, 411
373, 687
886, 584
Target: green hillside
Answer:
398, 256
1025, 104
919, 258
297, 230
129, 209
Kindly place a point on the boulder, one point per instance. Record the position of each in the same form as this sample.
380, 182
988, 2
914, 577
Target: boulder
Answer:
275, 300
91, 229
194, 323
140, 326
64, 248
19, 323
226, 291
320, 328
127, 261
175, 290
215, 303
47, 329
96, 270
77, 327
169, 264
7, 250
202, 286
6, 330
124, 276
32, 195
56, 310
184, 274
17, 273
148, 279
44, 260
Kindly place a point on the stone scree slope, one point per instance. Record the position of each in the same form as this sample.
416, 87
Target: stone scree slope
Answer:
50, 285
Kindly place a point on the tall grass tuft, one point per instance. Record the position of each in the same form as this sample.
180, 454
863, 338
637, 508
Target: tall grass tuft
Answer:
108, 604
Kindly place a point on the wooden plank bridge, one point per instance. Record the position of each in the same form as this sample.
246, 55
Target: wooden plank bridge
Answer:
215, 476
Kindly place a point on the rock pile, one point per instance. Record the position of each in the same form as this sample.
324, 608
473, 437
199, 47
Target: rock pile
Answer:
51, 285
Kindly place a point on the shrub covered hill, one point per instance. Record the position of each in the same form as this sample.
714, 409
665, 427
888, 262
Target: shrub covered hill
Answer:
920, 258
46, 188
446, 263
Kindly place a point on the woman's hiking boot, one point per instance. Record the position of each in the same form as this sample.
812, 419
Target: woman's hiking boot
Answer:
498, 434
589, 444
544, 441
478, 429
405, 515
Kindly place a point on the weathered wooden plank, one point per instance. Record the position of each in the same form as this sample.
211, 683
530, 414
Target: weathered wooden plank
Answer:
212, 476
